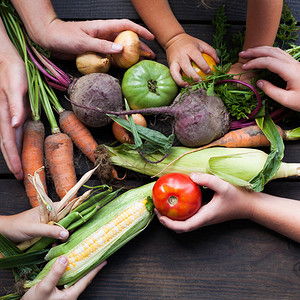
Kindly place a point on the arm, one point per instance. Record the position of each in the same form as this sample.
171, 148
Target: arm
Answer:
263, 18
230, 202
73, 38
180, 47
13, 87
281, 63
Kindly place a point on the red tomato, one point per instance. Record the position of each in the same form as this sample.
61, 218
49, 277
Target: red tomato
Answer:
176, 196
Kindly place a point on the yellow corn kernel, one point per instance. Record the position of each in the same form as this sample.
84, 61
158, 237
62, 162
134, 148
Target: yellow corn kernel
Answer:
104, 235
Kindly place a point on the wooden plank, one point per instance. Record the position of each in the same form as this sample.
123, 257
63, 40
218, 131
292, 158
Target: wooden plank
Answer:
232, 260
184, 10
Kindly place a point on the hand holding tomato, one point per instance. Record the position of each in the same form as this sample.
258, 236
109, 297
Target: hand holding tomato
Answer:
229, 202
176, 196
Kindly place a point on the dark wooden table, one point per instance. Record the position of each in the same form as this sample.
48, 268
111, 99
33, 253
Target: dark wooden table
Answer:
233, 260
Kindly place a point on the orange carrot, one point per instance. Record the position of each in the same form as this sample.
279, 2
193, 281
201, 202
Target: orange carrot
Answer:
33, 157
78, 133
250, 136
59, 157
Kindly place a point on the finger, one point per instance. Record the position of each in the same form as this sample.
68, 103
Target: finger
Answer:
210, 181
201, 63
211, 52
280, 95
176, 74
274, 65
47, 285
16, 109
188, 69
8, 143
52, 231
81, 285
98, 45
265, 51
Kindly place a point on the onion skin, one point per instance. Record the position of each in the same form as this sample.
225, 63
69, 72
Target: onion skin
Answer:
123, 135
131, 52
92, 62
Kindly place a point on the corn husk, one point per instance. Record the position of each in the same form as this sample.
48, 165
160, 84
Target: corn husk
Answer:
235, 165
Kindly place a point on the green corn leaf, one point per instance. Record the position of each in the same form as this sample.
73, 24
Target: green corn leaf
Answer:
24, 259
273, 161
14, 296
7, 247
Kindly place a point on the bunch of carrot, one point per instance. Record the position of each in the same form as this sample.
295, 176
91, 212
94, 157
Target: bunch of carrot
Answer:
58, 146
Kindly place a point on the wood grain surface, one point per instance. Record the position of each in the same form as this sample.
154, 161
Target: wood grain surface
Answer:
233, 260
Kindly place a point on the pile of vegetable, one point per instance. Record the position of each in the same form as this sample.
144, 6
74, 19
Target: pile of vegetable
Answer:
218, 122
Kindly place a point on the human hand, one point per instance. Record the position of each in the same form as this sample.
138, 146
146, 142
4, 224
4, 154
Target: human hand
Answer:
181, 50
281, 63
13, 87
67, 39
229, 202
27, 225
47, 290
239, 73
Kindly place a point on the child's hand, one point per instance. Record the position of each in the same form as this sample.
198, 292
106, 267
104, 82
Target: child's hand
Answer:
237, 68
67, 39
229, 202
181, 50
47, 290
281, 63
26, 225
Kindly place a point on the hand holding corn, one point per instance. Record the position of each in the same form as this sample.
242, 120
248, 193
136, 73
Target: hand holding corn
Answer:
47, 290
230, 202
26, 225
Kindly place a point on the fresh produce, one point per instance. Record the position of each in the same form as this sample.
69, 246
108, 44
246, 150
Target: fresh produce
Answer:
33, 157
131, 52
92, 62
78, 133
148, 84
210, 61
176, 196
110, 228
235, 165
124, 136
97, 90
198, 118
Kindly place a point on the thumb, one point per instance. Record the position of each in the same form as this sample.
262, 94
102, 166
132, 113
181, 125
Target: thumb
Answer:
16, 107
52, 278
52, 231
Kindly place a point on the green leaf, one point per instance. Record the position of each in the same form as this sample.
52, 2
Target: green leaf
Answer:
24, 259
273, 161
7, 247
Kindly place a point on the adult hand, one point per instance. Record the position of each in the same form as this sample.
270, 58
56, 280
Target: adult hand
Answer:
13, 87
280, 62
71, 38
47, 290
181, 50
26, 225
229, 202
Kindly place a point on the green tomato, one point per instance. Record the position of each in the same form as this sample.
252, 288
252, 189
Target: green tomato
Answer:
148, 84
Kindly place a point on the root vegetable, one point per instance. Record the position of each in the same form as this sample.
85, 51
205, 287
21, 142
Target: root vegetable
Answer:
92, 62
33, 157
124, 136
131, 52
198, 118
98, 90
59, 157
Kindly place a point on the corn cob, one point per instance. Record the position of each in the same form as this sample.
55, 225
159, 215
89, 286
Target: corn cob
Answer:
235, 165
110, 228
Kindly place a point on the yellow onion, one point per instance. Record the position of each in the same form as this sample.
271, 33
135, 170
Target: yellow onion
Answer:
92, 62
131, 52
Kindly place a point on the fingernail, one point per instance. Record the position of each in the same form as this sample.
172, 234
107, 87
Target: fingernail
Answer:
63, 234
63, 260
242, 52
194, 176
116, 46
259, 84
208, 71
14, 121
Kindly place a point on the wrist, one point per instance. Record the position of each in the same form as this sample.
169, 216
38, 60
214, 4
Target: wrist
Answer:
172, 39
